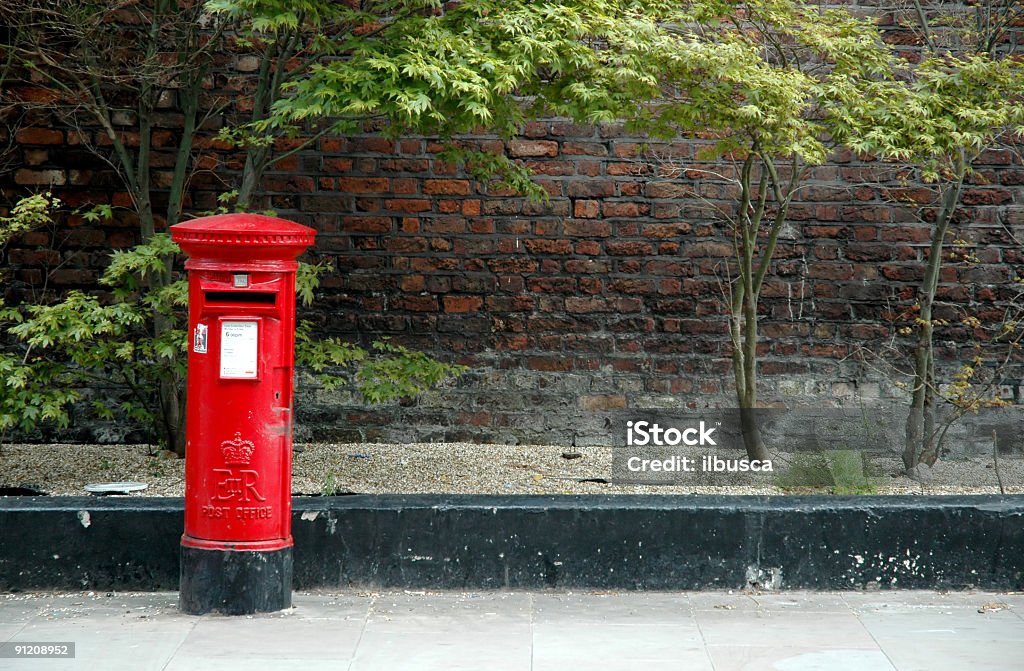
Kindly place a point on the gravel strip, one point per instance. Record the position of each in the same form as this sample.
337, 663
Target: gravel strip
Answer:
436, 468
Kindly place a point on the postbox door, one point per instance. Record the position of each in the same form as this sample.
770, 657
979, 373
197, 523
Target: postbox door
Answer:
240, 390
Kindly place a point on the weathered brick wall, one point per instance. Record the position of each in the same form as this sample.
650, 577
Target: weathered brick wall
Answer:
608, 296
611, 294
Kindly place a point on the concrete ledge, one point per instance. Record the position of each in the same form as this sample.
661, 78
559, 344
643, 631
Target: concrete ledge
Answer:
621, 542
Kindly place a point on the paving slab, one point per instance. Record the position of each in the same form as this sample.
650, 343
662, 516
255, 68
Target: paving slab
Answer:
530, 631
581, 608
500, 648
621, 646
805, 602
795, 658
772, 628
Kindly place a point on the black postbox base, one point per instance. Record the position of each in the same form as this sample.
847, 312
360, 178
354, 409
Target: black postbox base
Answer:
235, 582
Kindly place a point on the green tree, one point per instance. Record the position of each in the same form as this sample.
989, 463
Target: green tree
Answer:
418, 65
127, 81
31, 390
961, 95
758, 76
438, 69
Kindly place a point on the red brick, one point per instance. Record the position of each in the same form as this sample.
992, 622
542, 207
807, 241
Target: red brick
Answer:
587, 209
33, 94
626, 169
377, 145
73, 276
666, 230
417, 303
865, 233
366, 224
411, 146
633, 286
363, 184
502, 206
405, 244
866, 213
626, 149
46, 257
595, 402
907, 234
555, 285
668, 190
446, 187
587, 229
711, 249
591, 189
548, 363
549, 246
444, 225
834, 232
555, 168
338, 165
40, 177
512, 265
289, 184
408, 205
625, 209
586, 304
830, 271
36, 156
628, 248
412, 283
462, 303
584, 149
986, 196
39, 136
405, 165
868, 252
36, 238
511, 343
405, 186
534, 129
532, 148
588, 247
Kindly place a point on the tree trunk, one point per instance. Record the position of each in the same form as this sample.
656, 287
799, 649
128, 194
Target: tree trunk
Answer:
919, 437
742, 332
171, 407
915, 433
252, 173
752, 440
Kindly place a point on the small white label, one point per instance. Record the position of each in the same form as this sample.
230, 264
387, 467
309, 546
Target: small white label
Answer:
241, 281
199, 339
238, 349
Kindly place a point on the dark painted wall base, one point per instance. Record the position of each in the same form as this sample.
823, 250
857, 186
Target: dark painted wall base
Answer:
235, 582
622, 542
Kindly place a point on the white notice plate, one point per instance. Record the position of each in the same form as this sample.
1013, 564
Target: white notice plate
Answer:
239, 349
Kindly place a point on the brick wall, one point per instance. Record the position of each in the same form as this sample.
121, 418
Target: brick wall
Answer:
610, 295
607, 296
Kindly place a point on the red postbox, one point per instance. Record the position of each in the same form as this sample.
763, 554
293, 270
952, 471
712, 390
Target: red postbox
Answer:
236, 549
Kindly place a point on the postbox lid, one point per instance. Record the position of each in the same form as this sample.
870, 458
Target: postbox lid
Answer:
243, 237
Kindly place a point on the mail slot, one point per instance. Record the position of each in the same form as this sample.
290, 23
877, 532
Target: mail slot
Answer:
249, 297
236, 547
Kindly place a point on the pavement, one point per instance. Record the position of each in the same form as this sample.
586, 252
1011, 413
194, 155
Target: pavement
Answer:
530, 631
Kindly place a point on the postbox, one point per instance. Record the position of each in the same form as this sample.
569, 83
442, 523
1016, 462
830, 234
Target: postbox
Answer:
236, 548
